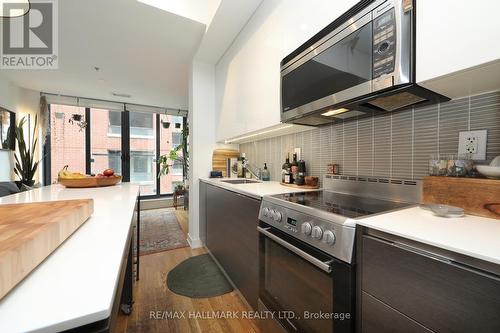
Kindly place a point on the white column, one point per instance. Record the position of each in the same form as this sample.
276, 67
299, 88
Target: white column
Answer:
201, 138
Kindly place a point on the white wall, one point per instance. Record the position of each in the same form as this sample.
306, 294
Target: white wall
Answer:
8, 100
201, 138
248, 75
21, 101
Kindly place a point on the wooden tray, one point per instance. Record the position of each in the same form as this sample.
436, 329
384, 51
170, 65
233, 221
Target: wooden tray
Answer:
306, 187
29, 233
477, 196
90, 182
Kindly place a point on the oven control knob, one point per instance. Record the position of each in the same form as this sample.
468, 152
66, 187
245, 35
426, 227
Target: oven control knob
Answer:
277, 216
329, 237
317, 232
265, 211
306, 228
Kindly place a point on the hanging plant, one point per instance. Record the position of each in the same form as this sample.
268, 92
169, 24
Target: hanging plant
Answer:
79, 120
166, 161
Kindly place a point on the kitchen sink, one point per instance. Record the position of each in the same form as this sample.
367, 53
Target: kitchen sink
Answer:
241, 181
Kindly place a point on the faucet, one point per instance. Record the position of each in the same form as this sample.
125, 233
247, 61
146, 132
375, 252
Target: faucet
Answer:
251, 169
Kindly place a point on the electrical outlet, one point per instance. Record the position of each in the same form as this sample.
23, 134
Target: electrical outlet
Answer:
473, 143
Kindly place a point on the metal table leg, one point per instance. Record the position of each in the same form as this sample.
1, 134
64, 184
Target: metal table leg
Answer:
138, 237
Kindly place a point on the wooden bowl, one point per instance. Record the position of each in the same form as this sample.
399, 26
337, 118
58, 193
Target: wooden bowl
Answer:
311, 181
90, 182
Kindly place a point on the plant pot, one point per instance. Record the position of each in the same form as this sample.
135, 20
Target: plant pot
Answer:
76, 117
177, 125
28, 183
165, 124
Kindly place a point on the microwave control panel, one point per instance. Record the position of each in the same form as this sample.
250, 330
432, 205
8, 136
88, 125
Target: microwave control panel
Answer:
384, 44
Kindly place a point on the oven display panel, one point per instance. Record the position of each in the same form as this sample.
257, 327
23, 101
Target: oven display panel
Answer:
291, 221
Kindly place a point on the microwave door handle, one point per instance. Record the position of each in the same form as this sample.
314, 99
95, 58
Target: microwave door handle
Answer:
324, 266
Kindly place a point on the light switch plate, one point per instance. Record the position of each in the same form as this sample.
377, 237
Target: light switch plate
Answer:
473, 143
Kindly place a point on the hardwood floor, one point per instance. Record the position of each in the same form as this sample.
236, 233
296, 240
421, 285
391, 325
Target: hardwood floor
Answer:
182, 217
154, 301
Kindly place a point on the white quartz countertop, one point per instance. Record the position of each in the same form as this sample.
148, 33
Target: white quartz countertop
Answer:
76, 284
256, 190
474, 236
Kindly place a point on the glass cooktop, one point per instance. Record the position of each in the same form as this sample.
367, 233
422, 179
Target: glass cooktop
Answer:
341, 204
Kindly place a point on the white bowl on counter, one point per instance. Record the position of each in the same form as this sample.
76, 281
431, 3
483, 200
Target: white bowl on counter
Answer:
489, 171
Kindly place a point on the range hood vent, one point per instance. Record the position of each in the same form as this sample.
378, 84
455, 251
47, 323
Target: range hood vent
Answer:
396, 101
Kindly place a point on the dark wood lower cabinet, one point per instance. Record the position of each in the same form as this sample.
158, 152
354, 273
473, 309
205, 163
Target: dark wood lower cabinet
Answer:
404, 287
232, 237
378, 317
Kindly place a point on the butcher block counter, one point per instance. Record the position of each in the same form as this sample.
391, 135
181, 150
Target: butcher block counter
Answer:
78, 283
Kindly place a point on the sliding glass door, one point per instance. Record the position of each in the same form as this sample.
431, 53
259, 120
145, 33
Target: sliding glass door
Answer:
128, 142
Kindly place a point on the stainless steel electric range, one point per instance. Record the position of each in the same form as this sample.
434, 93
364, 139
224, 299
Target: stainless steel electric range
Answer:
306, 250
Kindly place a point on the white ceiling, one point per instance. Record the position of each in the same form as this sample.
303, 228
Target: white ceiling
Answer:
228, 21
140, 50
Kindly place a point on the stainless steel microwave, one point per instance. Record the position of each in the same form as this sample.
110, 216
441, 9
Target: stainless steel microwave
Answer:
361, 63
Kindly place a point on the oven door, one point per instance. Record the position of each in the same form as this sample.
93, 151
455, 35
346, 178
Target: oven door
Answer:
305, 289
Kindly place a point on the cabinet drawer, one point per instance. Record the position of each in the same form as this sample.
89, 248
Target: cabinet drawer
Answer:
380, 318
442, 296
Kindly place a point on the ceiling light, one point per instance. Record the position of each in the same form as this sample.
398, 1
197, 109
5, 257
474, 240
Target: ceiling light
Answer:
14, 8
334, 112
121, 95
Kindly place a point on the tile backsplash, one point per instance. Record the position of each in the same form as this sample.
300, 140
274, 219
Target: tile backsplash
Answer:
396, 145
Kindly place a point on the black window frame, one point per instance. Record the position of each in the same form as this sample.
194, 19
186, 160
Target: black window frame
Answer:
125, 150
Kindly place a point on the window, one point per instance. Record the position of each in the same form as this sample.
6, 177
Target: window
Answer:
143, 152
67, 141
105, 143
115, 123
177, 168
141, 125
171, 138
142, 162
115, 161
176, 139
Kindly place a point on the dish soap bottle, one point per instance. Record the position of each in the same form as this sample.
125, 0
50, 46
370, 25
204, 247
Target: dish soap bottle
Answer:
266, 176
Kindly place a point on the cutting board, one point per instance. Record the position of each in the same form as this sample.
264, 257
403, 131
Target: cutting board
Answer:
219, 159
29, 233
477, 196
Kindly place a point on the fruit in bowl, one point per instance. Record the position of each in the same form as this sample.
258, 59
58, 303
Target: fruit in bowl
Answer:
108, 172
66, 174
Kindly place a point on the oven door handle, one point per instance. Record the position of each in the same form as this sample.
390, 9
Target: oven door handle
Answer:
324, 266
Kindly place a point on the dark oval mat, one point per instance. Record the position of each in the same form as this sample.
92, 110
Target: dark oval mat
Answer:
198, 277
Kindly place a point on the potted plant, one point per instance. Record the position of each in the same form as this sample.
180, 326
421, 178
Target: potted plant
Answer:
26, 166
